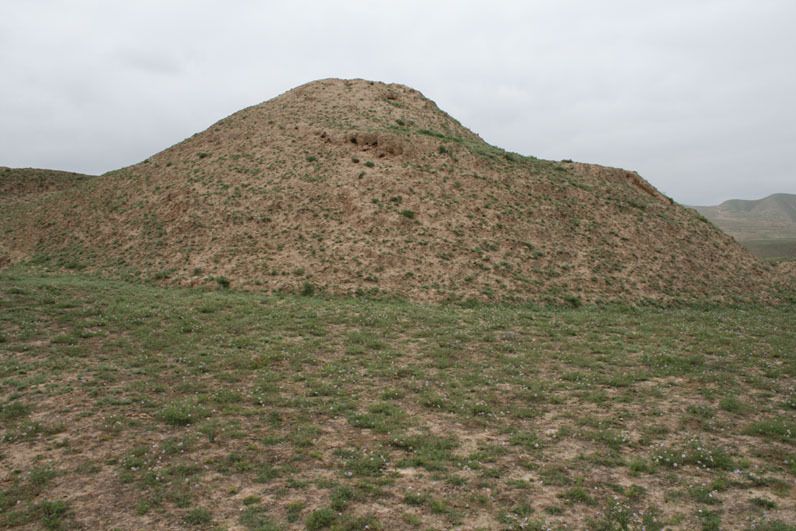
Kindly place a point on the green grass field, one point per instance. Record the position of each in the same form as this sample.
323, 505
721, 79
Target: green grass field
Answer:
137, 407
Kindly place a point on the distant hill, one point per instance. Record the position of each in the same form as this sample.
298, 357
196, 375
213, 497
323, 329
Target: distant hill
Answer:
354, 186
765, 226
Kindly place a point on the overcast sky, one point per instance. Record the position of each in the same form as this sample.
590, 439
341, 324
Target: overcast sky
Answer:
699, 96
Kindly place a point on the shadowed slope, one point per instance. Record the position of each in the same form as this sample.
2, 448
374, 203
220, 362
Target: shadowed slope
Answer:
356, 186
21, 189
16, 183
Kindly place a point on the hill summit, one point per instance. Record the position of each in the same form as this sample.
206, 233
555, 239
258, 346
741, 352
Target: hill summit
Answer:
354, 186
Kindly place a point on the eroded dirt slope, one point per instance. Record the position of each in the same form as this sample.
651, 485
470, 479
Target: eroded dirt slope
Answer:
356, 186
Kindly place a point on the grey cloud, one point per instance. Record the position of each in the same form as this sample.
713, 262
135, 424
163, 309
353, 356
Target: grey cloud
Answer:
696, 95
150, 61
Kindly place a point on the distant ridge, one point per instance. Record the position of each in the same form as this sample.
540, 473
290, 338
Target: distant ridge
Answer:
360, 187
766, 226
